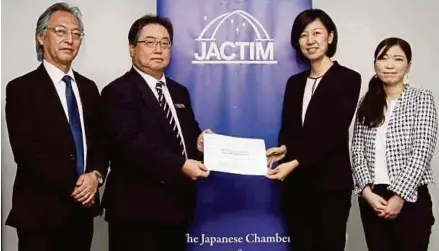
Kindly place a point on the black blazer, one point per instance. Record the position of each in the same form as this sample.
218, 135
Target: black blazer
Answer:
146, 181
321, 144
44, 150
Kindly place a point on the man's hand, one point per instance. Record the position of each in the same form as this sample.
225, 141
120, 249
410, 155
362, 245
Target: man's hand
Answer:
86, 188
200, 140
377, 203
91, 203
194, 169
282, 170
275, 154
393, 208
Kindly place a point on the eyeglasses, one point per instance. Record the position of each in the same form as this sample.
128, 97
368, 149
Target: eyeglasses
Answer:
152, 43
64, 32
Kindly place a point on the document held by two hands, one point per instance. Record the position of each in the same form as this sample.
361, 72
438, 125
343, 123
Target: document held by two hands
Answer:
236, 155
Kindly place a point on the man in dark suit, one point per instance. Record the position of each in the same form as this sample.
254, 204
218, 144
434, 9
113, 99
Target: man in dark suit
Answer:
153, 140
52, 114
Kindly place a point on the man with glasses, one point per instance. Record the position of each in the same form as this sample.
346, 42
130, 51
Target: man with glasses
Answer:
52, 114
154, 141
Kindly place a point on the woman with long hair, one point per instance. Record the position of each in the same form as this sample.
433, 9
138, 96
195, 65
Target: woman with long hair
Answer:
393, 143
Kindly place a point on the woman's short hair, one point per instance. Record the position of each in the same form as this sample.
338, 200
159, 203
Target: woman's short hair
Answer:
304, 19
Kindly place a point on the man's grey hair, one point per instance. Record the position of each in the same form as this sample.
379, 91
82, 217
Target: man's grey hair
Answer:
44, 19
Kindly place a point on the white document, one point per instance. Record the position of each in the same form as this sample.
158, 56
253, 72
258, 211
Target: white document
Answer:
234, 155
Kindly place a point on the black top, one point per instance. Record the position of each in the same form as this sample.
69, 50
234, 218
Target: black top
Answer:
321, 144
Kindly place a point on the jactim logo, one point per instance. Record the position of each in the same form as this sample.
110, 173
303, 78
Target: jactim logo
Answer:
211, 50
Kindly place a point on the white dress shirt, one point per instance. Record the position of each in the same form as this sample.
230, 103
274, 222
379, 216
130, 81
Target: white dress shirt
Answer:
381, 170
151, 81
56, 75
310, 88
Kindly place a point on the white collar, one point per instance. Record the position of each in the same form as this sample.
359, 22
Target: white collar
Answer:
56, 74
150, 80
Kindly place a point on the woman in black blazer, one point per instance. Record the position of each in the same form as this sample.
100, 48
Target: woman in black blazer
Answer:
318, 108
394, 140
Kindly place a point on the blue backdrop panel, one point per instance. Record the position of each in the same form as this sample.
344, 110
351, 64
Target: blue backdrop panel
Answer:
235, 58
231, 205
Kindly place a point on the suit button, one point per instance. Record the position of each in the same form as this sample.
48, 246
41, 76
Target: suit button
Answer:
72, 157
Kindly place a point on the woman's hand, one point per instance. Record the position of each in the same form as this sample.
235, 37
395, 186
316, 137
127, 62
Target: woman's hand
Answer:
282, 170
393, 208
375, 201
275, 154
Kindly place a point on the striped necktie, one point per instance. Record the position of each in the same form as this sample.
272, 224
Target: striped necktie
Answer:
169, 117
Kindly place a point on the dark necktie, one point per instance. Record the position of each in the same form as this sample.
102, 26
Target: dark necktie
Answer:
75, 125
169, 117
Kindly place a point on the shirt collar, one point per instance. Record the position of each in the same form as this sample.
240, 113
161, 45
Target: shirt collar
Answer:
56, 74
150, 80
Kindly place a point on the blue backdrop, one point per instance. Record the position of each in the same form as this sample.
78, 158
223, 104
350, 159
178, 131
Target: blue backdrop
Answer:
235, 58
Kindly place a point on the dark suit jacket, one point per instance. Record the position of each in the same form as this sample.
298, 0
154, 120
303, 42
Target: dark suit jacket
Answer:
44, 150
321, 144
146, 181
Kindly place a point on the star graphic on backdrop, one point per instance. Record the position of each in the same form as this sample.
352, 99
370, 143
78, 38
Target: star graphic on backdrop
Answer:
238, 29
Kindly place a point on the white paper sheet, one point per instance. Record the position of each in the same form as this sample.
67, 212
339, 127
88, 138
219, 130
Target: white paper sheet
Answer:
234, 155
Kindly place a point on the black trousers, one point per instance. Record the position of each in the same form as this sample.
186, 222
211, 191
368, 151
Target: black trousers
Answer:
317, 221
74, 236
410, 231
139, 236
